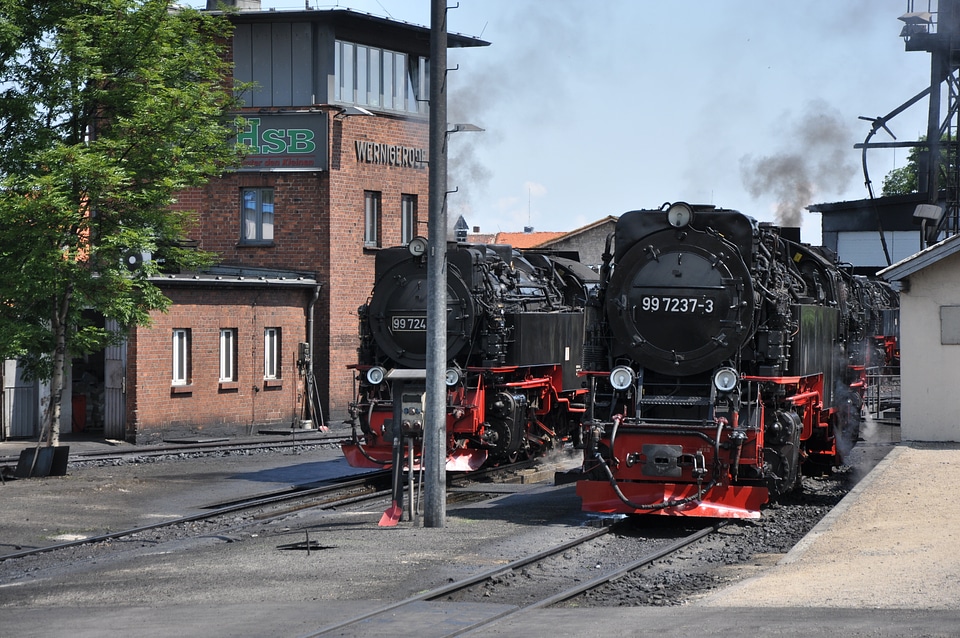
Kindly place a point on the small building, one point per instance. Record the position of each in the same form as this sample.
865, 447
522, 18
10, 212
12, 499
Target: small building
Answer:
853, 230
231, 357
929, 341
588, 241
338, 128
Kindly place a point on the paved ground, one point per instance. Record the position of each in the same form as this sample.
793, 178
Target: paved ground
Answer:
884, 563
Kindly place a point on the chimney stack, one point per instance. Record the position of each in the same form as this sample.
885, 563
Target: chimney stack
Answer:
241, 5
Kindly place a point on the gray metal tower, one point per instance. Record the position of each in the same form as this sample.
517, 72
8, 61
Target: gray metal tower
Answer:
932, 26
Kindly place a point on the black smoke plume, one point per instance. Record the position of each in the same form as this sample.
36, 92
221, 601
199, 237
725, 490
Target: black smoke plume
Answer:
818, 159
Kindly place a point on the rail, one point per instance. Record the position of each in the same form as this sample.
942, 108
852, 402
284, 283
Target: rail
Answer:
392, 610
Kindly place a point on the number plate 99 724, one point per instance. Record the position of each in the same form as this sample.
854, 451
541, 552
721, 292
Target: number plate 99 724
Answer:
401, 324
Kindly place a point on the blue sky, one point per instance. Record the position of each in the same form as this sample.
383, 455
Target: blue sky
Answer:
596, 108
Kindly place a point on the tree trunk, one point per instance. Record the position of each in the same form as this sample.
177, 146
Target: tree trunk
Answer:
51, 425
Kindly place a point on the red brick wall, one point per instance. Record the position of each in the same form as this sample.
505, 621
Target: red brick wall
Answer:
351, 265
157, 411
318, 227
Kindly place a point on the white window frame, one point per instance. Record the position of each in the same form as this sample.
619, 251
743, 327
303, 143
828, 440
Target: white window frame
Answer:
408, 218
271, 353
372, 209
228, 355
381, 78
181, 356
257, 217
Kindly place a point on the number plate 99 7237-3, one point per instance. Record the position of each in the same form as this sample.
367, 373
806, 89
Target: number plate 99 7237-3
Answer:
670, 304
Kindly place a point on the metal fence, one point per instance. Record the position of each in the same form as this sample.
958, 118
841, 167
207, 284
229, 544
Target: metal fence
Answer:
882, 398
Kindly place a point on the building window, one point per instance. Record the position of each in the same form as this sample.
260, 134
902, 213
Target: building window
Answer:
371, 219
181, 356
271, 353
408, 218
257, 216
381, 78
228, 355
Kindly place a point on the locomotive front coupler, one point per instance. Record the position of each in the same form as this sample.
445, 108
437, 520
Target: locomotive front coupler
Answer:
738, 437
591, 433
354, 414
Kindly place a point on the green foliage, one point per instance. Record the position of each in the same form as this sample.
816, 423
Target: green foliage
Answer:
901, 181
107, 109
906, 179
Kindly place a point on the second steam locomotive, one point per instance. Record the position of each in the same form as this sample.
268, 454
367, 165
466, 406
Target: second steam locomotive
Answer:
721, 358
515, 331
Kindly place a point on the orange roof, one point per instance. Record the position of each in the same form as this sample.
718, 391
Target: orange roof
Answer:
527, 240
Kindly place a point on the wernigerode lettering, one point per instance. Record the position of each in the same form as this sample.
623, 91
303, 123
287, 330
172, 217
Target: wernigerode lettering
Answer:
390, 154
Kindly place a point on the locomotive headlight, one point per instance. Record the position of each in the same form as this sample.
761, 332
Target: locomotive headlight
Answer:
375, 375
417, 246
453, 377
679, 215
726, 379
622, 377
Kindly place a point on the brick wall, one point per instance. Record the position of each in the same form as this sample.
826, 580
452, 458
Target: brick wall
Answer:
319, 227
352, 266
157, 410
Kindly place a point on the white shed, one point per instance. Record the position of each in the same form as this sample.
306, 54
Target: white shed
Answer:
929, 341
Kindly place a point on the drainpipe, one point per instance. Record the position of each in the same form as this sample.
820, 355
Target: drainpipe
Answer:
310, 377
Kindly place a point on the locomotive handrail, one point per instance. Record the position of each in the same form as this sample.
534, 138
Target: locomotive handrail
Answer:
536, 382
406, 373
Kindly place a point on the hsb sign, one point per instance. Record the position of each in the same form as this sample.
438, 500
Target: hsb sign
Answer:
268, 141
291, 142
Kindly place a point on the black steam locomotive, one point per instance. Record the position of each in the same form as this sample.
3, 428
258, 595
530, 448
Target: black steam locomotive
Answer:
721, 356
515, 330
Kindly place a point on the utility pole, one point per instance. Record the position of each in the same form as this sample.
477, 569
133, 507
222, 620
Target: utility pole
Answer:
435, 413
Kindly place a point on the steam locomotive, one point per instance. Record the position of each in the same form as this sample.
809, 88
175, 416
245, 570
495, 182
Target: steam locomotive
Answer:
722, 356
515, 331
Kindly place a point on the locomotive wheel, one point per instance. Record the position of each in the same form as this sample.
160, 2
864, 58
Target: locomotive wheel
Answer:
503, 438
846, 421
782, 456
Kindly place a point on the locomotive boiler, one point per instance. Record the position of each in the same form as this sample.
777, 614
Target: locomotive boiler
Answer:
515, 331
722, 356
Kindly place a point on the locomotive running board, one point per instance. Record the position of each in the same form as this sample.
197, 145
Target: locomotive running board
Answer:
732, 501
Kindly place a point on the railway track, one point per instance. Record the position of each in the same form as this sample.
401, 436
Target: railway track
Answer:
336, 492
332, 493
214, 447
498, 613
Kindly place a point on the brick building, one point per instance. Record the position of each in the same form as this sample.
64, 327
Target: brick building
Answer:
338, 126
225, 360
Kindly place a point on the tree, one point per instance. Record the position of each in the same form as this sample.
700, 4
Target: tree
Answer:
906, 179
903, 180
107, 109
